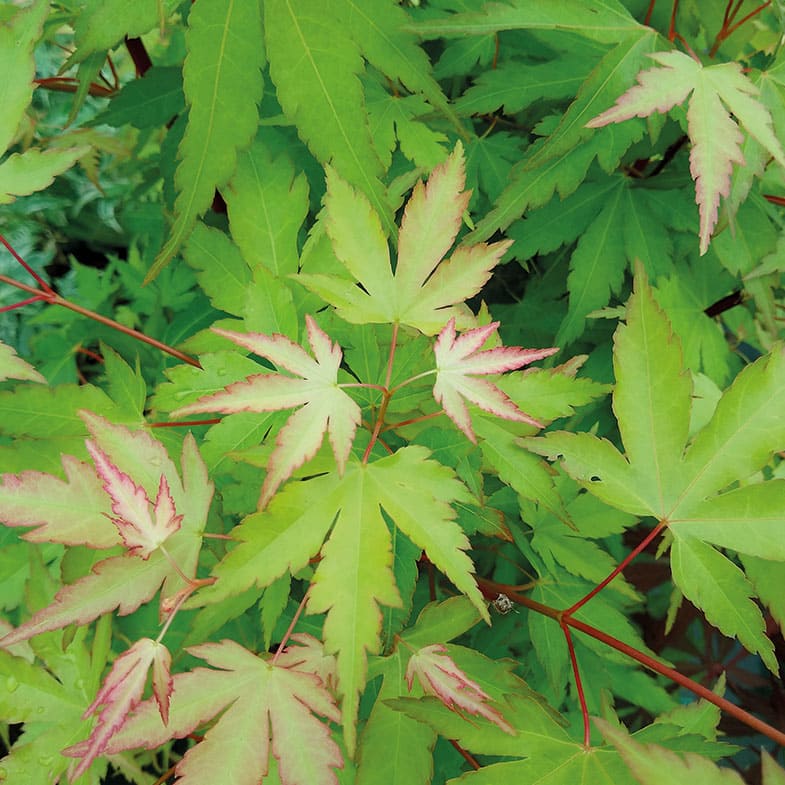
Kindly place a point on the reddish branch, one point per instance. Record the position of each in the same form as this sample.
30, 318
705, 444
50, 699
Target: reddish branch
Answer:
729, 26
141, 59
46, 294
491, 590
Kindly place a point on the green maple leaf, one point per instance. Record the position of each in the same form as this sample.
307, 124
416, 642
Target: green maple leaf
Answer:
561, 160
18, 36
690, 484
315, 64
647, 762
607, 21
549, 752
103, 24
354, 577
716, 92
12, 366
394, 748
425, 291
223, 84
50, 701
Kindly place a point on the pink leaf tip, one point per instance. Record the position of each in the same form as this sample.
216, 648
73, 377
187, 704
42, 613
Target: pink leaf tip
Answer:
459, 360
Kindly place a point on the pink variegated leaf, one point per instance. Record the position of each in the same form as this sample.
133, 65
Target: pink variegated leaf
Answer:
718, 92
261, 709
459, 361
441, 677
162, 681
120, 694
72, 512
309, 656
658, 89
141, 531
121, 582
326, 408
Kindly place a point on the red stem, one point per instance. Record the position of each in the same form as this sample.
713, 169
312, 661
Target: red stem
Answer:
41, 282
468, 757
67, 84
492, 589
728, 27
22, 303
385, 398
649, 12
289, 630
183, 423
52, 298
619, 568
672, 26
578, 683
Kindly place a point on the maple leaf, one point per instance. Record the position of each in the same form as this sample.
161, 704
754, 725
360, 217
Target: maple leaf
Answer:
130, 503
685, 482
717, 91
309, 656
119, 582
440, 676
48, 503
425, 290
121, 693
459, 360
14, 367
354, 576
263, 708
325, 407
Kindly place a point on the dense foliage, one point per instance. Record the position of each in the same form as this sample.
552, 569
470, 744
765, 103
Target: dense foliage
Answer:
391, 392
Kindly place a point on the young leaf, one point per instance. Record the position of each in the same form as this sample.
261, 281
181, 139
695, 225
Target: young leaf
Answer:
459, 360
121, 693
717, 91
49, 504
141, 532
414, 492
425, 291
440, 676
125, 582
326, 408
354, 576
263, 708
223, 84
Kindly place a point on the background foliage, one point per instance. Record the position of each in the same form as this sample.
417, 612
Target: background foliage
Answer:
217, 209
